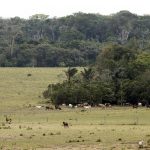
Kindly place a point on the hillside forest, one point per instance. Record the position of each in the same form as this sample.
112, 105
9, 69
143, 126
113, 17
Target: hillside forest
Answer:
74, 40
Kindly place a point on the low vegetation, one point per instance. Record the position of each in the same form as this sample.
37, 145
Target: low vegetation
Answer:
33, 128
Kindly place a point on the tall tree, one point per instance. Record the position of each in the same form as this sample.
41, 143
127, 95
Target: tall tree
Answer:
70, 73
87, 74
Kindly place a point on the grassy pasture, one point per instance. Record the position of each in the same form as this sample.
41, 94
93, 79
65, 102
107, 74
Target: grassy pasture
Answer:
18, 89
113, 128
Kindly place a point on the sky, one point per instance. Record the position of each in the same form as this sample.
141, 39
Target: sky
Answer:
59, 8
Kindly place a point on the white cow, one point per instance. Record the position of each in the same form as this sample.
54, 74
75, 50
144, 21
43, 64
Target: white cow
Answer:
139, 104
101, 105
141, 144
38, 107
70, 105
87, 107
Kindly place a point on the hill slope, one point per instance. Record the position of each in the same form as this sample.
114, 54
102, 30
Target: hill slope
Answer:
73, 40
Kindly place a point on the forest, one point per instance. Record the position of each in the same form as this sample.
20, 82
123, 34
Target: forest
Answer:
74, 40
120, 75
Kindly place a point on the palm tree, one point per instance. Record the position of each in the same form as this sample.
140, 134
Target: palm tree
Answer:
87, 74
70, 73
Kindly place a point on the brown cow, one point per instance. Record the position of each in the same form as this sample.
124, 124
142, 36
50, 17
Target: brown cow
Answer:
65, 124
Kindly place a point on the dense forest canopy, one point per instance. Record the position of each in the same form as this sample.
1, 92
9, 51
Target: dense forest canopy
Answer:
120, 75
74, 40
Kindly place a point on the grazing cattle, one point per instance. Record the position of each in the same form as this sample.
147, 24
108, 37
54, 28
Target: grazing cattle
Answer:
148, 106
135, 106
8, 120
80, 105
85, 104
101, 105
139, 104
38, 107
126, 104
65, 124
57, 107
141, 144
70, 106
63, 104
48, 108
107, 104
87, 107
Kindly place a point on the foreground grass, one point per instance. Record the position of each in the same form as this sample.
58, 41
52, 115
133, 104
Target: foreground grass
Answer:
32, 128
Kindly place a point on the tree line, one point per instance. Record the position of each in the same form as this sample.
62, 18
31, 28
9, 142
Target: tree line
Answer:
120, 75
74, 40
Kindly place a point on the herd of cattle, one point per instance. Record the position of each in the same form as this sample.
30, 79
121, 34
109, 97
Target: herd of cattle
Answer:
83, 105
87, 106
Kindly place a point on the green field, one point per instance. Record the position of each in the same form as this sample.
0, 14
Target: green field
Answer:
18, 89
32, 128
